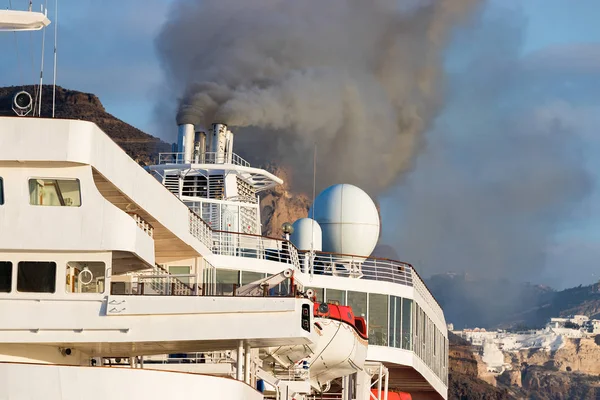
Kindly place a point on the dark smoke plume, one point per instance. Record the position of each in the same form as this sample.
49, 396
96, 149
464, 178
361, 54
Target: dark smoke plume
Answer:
502, 175
360, 78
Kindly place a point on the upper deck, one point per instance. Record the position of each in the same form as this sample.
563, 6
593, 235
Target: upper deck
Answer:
174, 165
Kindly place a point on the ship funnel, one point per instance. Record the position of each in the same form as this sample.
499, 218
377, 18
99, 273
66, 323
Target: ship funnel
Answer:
221, 144
200, 147
185, 141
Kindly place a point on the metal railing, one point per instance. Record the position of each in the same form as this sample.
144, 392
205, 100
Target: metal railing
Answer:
167, 285
192, 285
420, 287
282, 251
358, 267
212, 212
377, 269
206, 158
142, 224
215, 357
200, 229
255, 246
297, 372
341, 265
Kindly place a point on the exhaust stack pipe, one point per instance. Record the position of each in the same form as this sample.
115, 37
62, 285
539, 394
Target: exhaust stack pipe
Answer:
218, 142
200, 147
186, 138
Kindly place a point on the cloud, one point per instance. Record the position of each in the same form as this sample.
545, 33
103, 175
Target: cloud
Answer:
568, 58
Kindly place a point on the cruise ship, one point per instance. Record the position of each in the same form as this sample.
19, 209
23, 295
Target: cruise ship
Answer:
124, 282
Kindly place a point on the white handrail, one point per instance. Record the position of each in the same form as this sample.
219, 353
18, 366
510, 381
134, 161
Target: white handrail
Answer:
206, 158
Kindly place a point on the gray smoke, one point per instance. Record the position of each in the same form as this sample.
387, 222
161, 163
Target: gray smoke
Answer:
361, 79
503, 172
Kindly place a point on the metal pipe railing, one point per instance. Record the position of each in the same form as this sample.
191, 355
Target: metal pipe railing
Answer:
204, 158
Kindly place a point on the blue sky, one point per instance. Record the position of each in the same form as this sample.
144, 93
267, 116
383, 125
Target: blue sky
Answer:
107, 48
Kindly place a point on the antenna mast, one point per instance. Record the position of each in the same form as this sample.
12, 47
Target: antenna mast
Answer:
44, 9
312, 217
55, 55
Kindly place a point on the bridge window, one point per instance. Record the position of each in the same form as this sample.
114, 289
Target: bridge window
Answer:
378, 319
54, 192
395, 321
1, 191
335, 296
406, 324
5, 276
85, 277
36, 277
227, 282
318, 294
181, 270
249, 277
358, 302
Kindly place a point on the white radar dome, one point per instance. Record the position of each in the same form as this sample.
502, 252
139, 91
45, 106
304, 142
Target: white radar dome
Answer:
307, 235
348, 218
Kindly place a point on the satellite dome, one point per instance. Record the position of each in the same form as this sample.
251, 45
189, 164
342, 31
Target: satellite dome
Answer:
348, 218
307, 235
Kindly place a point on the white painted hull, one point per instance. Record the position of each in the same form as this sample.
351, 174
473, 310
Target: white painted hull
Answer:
53, 382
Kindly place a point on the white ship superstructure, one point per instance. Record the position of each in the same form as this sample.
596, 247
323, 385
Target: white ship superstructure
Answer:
407, 330
128, 283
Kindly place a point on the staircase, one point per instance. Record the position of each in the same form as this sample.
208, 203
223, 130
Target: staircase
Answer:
161, 282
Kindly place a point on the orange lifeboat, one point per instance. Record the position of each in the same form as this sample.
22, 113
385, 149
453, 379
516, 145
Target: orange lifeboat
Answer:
343, 314
395, 395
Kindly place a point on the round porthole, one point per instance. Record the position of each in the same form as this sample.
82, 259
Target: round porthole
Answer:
86, 277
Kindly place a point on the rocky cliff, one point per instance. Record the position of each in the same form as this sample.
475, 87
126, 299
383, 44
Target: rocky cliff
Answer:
541, 383
571, 372
280, 205
464, 380
576, 355
72, 104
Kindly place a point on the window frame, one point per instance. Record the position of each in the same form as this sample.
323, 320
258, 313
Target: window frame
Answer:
68, 278
11, 276
1, 191
57, 179
56, 269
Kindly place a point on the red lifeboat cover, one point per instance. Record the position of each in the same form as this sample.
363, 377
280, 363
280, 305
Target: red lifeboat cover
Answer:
344, 314
395, 395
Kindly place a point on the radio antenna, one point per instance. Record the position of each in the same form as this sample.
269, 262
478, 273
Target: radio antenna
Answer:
55, 55
45, 10
312, 217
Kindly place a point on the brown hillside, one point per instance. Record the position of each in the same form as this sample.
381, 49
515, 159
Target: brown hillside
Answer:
280, 205
464, 383
71, 104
